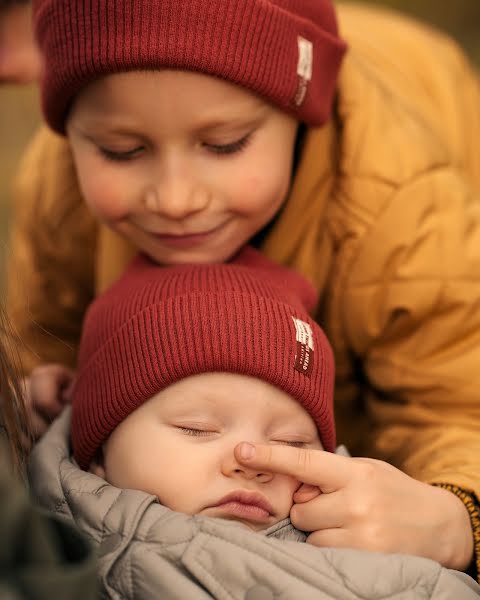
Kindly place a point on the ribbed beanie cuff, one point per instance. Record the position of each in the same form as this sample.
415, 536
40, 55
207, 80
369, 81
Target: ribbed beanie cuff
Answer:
158, 325
287, 51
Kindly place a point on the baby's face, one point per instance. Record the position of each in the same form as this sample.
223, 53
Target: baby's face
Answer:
180, 445
186, 166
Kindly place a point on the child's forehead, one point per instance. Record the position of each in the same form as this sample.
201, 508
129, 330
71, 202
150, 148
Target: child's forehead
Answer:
206, 99
227, 394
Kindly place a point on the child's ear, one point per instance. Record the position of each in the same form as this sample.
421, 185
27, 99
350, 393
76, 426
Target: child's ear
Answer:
97, 465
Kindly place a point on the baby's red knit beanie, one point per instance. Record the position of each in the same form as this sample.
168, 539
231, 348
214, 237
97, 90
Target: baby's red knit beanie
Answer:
287, 51
157, 325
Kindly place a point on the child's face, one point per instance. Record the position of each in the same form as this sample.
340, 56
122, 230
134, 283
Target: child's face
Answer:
180, 445
186, 166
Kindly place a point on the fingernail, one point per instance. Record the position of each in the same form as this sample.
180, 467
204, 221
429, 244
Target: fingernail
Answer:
247, 451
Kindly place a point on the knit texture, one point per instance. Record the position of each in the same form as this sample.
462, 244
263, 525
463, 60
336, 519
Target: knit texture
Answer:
158, 325
287, 51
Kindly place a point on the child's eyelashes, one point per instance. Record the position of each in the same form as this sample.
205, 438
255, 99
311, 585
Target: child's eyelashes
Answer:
231, 148
292, 443
219, 149
120, 156
195, 432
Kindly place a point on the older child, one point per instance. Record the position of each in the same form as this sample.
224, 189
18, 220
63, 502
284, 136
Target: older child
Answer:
196, 126
177, 366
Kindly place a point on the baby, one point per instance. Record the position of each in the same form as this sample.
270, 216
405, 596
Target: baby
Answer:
178, 365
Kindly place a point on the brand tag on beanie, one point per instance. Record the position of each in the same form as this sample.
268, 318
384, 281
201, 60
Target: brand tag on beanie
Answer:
304, 353
304, 68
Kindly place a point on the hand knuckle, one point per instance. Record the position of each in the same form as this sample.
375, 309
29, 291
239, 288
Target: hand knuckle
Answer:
366, 471
359, 509
269, 454
304, 461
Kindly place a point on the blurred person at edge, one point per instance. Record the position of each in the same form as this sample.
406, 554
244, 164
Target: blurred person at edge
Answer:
40, 556
20, 60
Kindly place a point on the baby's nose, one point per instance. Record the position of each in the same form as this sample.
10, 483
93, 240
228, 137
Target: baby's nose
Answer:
232, 468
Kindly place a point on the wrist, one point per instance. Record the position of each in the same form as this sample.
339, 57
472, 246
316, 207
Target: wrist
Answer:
472, 504
458, 544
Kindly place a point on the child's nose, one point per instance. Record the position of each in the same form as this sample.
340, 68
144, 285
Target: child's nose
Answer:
176, 198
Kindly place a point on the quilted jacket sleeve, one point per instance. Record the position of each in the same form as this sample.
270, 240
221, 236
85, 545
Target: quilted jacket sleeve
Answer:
51, 259
411, 313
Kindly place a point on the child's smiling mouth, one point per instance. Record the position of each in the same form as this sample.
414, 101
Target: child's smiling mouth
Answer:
188, 240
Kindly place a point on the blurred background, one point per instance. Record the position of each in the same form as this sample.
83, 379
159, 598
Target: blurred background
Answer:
20, 115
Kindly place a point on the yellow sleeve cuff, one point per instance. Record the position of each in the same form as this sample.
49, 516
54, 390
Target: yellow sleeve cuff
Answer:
472, 505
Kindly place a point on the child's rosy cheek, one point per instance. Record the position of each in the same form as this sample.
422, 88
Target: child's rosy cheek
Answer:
106, 201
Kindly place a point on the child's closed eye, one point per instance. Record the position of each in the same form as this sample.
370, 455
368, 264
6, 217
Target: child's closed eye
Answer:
195, 432
120, 155
132, 153
292, 443
232, 148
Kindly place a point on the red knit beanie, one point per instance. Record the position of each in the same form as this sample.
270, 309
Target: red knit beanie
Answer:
157, 325
287, 51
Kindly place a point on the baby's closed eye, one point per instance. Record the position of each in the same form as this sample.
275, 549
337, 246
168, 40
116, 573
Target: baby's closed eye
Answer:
196, 431
292, 443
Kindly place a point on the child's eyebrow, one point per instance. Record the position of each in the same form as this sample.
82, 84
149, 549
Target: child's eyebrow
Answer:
232, 123
93, 128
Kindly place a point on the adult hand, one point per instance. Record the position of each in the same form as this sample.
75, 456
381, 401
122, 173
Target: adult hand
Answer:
368, 504
47, 391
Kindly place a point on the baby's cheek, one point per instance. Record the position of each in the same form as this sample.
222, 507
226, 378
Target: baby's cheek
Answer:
289, 486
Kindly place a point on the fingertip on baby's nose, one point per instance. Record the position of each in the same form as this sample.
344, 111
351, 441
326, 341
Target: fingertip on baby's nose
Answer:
245, 451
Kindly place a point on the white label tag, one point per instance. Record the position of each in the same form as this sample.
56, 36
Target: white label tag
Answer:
304, 333
305, 58
304, 355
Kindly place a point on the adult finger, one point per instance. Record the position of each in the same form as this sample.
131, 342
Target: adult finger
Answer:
328, 471
306, 493
323, 512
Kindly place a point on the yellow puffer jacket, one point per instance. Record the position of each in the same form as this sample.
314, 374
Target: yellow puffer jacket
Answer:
383, 217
